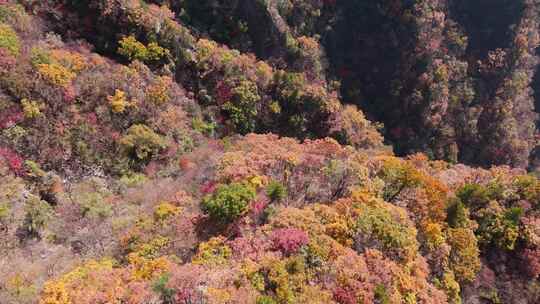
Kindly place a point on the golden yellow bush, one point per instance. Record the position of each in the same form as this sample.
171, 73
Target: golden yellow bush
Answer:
77, 283
434, 235
165, 210
158, 93
73, 61
213, 252
218, 296
9, 39
31, 108
56, 74
118, 101
133, 49
147, 269
55, 293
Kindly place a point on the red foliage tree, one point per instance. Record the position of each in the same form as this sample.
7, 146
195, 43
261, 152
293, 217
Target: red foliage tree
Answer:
289, 240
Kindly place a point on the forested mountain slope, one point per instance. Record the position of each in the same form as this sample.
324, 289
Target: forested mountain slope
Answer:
269, 151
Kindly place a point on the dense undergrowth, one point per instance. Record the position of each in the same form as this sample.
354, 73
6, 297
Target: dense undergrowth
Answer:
214, 151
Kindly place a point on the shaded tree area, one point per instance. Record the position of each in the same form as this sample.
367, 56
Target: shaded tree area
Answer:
450, 78
369, 49
488, 23
366, 49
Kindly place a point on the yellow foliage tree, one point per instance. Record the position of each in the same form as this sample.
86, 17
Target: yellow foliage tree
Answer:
118, 101
56, 74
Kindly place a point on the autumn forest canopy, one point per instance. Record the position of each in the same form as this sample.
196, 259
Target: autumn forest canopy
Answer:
269, 151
